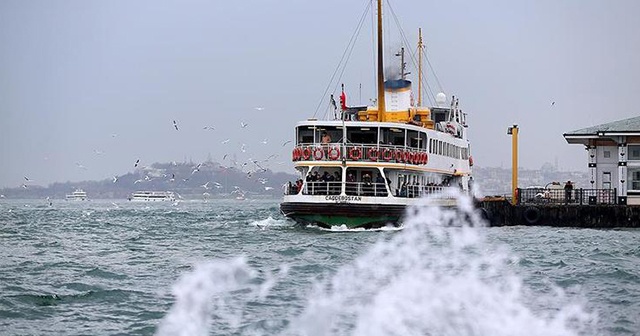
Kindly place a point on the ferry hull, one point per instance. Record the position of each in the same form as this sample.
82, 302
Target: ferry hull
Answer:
336, 214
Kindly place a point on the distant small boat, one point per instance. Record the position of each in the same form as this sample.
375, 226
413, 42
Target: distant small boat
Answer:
152, 196
77, 195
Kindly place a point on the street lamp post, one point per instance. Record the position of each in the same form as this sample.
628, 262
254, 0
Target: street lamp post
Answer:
513, 131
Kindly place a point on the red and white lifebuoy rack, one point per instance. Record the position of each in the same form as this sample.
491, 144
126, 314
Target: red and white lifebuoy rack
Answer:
361, 153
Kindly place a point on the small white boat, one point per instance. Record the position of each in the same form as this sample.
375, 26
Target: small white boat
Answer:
77, 195
152, 196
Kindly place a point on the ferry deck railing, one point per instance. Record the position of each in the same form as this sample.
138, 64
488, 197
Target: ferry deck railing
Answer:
368, 152
363, 189
560, 196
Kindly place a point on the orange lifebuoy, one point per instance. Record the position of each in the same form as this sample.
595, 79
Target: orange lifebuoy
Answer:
306, 153
407, 157
318, 153
355, 153
373, 154
426, 158
295, 154
334, 153
387, 154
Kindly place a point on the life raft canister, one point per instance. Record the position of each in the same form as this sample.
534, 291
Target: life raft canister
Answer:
355, 153
334, 153
318, 153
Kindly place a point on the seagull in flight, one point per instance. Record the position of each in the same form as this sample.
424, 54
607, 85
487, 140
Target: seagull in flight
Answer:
97, 152
26, 179
137, 161
80, 166
265, 141
259, 108
243, 124
115, 179
209, 128
206, 185
225, 156
175, 125
137, 181
268, 188
553, 103
226, 141
243, 148
285, 143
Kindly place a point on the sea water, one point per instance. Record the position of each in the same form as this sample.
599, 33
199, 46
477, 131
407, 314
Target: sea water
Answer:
227, 267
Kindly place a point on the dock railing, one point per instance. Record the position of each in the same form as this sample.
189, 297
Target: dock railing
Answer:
560, 196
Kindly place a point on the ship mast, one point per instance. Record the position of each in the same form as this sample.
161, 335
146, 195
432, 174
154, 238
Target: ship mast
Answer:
381, 103
420, 47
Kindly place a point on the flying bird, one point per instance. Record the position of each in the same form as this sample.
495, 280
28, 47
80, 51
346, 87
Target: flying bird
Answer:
115, 179
225, 156
285, 143
26, 179
175, 125
265, 141
80, 166
209, 128
226, 141
243, 124
137, 181
268, 188
137, 161
553, 103
97, 152
259, 108
243, 148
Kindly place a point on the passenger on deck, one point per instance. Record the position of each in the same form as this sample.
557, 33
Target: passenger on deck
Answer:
326, 138
380, 187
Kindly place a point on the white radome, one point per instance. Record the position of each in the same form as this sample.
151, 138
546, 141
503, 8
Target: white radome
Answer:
441, 99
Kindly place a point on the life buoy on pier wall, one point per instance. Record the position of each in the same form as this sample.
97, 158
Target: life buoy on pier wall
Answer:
333, 153
532, 215
355, 153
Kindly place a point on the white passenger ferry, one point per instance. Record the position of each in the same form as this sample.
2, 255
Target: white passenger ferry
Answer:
152, 196
363, 168
77, 195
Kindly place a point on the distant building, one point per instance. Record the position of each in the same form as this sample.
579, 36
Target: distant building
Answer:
614, 156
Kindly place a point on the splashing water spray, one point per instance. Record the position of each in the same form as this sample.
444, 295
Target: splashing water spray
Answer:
438, 276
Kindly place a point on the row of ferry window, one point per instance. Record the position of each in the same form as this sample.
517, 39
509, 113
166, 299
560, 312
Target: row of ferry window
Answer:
383, 136
363, 135
440, 147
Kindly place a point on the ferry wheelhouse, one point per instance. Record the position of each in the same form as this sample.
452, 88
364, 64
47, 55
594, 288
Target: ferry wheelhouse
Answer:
364, 168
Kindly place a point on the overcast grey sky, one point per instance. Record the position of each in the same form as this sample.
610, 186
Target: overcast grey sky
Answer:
89, 87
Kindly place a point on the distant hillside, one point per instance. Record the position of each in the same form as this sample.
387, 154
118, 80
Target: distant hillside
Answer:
212, 180
189, 180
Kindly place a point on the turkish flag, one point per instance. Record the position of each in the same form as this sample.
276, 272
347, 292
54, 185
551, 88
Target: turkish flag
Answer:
343, 101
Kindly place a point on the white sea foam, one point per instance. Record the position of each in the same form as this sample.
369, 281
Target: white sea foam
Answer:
270, 222
437, 276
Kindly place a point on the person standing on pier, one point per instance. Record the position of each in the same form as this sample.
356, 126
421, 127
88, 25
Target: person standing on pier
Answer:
568, 189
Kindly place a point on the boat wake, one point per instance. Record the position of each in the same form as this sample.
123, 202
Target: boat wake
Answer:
344, 228
437, 276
